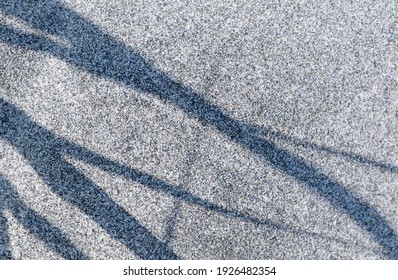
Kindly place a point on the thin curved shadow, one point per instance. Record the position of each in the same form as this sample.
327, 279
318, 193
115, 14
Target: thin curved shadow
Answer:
39, 147
18, 127
37, 225
96, 52
171, 222
385, 167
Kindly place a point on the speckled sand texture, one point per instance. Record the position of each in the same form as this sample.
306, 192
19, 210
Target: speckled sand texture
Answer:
198, 129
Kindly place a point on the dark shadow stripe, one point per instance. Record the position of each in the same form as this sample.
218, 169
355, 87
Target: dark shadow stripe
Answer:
5, 253
37, 225
361, 212
97, 52
37, 146
61, 147
272, 134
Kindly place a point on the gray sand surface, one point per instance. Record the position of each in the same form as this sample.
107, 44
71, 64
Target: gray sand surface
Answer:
198, 129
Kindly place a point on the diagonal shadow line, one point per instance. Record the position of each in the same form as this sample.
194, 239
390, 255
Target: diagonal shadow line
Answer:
38, 43
98, 53
37, 145
33, 135
176, 192
171, 222
37, 225
5, 252
13, 119
270, 133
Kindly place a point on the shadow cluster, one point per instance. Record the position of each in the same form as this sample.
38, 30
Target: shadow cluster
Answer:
92, 50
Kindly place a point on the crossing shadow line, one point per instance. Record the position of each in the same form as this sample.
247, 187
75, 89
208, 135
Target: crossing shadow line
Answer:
45, 152
96, 52
41, 149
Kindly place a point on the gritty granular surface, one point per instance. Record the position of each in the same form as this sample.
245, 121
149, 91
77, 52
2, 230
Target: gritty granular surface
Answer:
198, 129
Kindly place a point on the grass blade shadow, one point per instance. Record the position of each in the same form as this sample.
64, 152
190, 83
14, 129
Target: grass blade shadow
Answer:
37, 225
96, 52
39, 147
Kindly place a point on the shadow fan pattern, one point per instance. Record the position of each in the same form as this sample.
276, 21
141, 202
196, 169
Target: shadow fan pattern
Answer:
113, 60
